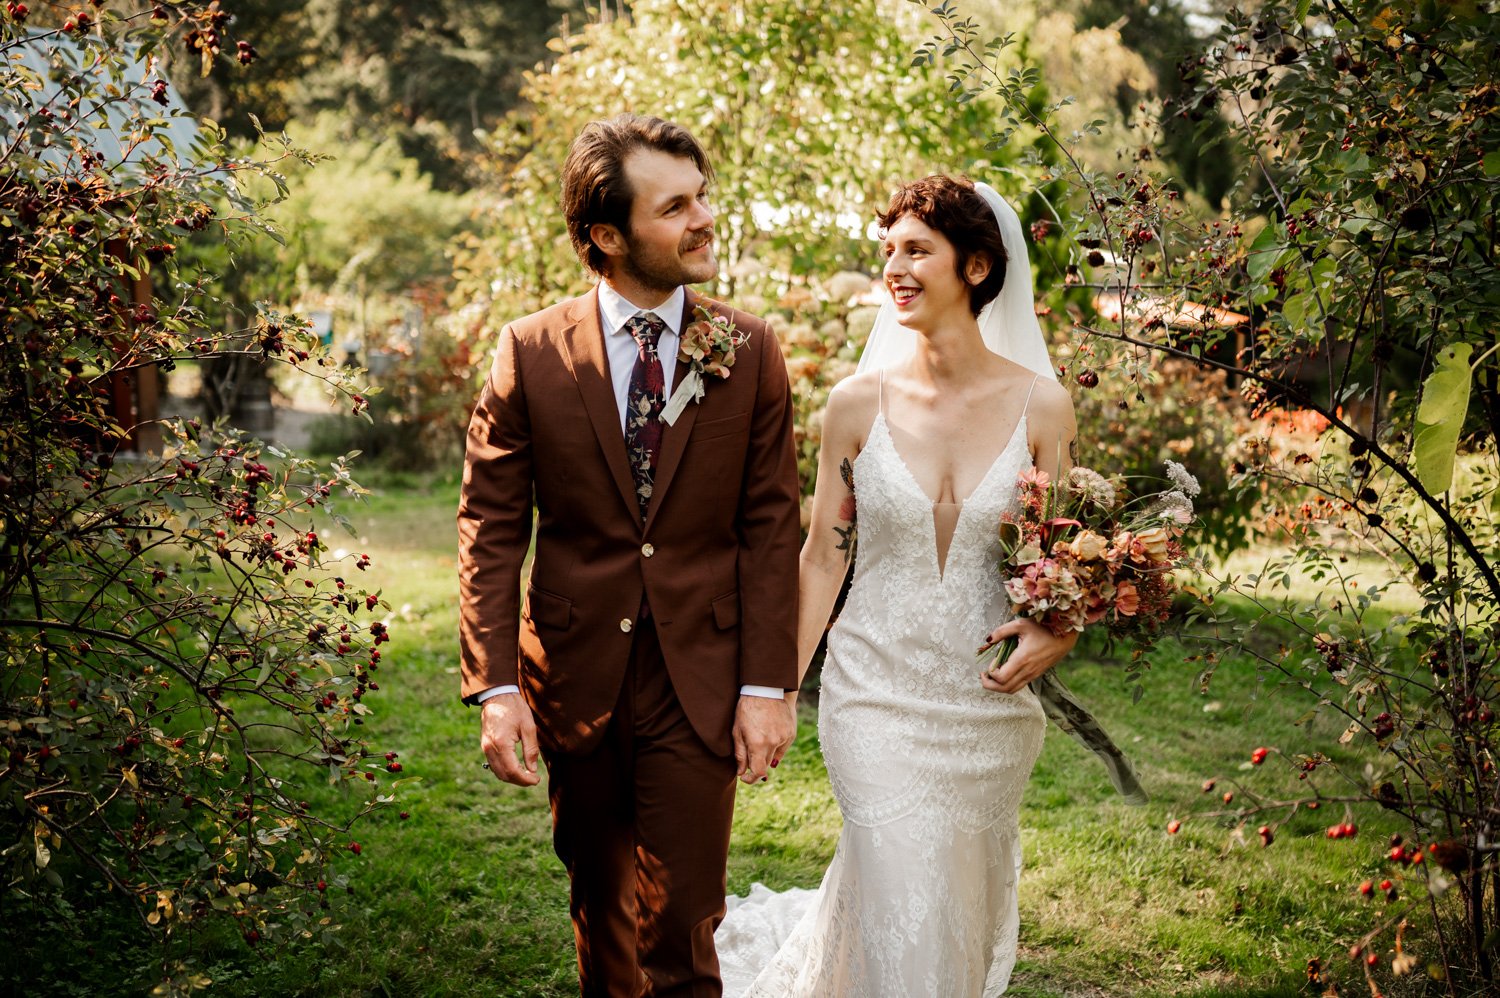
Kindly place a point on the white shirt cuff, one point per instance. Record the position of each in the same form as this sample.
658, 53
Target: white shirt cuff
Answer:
495, 691
769, 692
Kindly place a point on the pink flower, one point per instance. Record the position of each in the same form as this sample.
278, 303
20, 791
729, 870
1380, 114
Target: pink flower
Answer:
1054, 529
1034, 478
1127, 599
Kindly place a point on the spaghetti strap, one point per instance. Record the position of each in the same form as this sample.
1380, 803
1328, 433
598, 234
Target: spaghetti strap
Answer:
1025, 405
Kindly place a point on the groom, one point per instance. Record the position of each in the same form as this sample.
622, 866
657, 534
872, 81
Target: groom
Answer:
658, 634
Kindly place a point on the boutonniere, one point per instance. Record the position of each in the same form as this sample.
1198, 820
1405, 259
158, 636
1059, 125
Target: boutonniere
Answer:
708, 347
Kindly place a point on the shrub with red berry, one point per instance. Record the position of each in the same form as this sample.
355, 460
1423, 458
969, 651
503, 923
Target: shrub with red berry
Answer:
1348, 292
179, 655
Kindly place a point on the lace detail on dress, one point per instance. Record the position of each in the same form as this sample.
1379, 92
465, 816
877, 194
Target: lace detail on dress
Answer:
928, 767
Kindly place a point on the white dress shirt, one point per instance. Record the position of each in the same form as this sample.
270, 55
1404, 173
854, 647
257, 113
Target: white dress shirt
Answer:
621, 351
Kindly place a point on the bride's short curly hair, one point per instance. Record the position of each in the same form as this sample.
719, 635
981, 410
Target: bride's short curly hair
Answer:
953, 207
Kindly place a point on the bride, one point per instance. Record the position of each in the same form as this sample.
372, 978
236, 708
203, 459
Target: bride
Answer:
927, 757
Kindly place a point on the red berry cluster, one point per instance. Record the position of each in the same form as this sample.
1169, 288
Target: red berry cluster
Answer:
1311, 762
1413, 856
272, 342
256, 475
197, 220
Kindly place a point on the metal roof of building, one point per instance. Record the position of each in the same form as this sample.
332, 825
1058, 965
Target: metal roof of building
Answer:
118, 117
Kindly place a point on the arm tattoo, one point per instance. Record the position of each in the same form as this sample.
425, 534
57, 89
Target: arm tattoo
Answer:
1073, 451
848, 535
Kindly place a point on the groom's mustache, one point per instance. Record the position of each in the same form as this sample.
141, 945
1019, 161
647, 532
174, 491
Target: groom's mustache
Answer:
699, 241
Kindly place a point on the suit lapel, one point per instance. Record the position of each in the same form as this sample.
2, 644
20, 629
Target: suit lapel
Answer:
675, 437
584, 341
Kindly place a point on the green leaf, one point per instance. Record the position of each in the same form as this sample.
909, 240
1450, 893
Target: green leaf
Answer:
1323, 272
1440, 417
1263, 252
1295, 312
1303, 6
1492, 163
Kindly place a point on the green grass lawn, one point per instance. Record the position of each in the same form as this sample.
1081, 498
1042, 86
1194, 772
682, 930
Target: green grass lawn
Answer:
464, 897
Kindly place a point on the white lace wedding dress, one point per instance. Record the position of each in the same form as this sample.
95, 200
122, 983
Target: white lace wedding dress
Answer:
928, 766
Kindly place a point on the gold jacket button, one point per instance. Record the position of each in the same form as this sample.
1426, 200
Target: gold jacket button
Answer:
648, 550
625, 625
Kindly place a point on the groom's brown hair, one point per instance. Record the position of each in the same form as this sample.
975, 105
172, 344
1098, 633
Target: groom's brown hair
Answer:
594, 188
953, 207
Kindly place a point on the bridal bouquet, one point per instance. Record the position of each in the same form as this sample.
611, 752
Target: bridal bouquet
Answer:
1082, 551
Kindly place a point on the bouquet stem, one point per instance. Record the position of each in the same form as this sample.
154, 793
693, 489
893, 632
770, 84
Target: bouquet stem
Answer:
1002, 651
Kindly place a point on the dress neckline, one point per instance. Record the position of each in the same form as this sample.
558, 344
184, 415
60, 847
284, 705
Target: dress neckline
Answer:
1015, 434
940, 558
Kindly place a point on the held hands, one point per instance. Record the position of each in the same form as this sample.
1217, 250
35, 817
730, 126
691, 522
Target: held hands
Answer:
763, 729
504, 721
1039, 650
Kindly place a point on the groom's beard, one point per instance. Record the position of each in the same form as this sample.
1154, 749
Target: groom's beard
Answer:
666, 271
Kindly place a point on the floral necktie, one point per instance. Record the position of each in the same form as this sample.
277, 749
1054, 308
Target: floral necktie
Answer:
643, 405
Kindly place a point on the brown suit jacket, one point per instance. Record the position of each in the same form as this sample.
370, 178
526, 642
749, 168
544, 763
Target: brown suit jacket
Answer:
717, 555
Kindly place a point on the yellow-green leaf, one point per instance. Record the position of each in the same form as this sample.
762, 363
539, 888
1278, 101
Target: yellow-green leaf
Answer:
1440, 417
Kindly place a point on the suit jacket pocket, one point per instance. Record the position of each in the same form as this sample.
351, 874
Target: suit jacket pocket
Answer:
726, 610
548, 609
727, 426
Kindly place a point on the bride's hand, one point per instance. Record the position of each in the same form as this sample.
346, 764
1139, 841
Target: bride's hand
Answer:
1039, 650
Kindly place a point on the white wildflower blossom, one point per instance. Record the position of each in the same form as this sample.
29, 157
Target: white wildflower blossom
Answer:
1183, 479
1176, 506
1091, 487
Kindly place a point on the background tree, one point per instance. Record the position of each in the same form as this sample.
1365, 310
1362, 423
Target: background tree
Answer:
426, 73
1169, 38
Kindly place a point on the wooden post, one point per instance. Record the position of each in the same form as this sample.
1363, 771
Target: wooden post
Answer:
147, 433
135, 396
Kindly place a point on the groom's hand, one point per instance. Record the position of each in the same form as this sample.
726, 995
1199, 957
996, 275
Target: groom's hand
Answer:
504, 721
763, 728
1039, 650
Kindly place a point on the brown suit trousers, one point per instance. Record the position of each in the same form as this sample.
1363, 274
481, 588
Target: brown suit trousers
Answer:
642, 825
